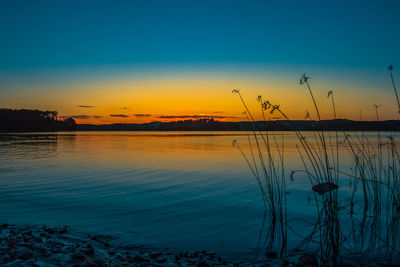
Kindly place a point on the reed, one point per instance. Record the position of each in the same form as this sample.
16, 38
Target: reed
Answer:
374, 175
265, 159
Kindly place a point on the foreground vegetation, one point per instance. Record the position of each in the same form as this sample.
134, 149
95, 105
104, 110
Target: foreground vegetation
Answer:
364, 225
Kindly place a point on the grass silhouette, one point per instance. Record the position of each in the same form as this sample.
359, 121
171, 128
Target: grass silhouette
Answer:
374, 175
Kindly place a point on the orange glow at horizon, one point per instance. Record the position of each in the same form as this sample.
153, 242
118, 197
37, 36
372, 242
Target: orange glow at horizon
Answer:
178, 97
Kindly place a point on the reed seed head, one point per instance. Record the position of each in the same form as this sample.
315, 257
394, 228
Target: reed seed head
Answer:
304, 78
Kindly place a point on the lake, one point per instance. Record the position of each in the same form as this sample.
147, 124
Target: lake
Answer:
177, 190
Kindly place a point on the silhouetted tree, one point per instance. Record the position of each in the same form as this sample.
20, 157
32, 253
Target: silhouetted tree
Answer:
24, 120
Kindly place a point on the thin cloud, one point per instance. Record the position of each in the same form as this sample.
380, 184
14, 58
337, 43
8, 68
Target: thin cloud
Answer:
80, 117
119, 115
194, 117
125, 108
142, 115
85, 106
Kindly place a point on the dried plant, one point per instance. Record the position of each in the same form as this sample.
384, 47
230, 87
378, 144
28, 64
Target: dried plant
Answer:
374, 175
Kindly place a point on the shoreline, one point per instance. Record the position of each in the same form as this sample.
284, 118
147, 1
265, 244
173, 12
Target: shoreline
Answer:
32, 245
42, 245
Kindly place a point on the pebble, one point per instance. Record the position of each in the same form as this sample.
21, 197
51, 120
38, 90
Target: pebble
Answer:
29, 245
79, 257
24, 253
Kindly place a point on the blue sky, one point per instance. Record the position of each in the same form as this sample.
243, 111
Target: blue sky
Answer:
41, 34
91, 51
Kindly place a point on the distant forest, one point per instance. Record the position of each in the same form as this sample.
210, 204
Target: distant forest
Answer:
24, 120
199, 125
281, 125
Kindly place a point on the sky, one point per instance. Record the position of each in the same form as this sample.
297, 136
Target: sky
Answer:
141, 61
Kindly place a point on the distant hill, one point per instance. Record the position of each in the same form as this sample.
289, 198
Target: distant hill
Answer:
199, 125
25, 120
186, 125
327, 125
152, 126
211, 125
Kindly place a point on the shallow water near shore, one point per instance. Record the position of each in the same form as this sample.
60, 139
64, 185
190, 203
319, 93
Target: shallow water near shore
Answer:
178, 190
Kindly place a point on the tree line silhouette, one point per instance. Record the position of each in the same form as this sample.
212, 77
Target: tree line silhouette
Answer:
207, 124
25, 120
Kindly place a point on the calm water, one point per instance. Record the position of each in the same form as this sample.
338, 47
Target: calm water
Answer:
160, 189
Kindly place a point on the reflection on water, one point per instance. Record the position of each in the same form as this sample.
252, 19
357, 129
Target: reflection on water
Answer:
170, 189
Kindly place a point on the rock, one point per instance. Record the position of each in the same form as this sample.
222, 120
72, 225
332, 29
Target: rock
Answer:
139, 259
203, 264
39, 246
70, 249
28, 233
323, 188
309, 259
44, 235
88, 251
95, 263
344, 264
11, 243
37, 240
45, 254
155, 255
161, 260
24, 253
5, 259
78, 257
54, 244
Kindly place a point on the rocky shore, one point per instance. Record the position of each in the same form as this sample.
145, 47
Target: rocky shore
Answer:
29, 245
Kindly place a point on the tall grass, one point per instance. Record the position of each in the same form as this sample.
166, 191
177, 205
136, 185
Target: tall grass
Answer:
375, 175
266, 162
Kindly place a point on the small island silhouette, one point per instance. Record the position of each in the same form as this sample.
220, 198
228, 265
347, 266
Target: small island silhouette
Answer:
25, 120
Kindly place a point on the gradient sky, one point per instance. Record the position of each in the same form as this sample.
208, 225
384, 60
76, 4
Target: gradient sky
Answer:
140, 61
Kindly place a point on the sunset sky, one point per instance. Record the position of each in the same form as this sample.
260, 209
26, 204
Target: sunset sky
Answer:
141, 61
